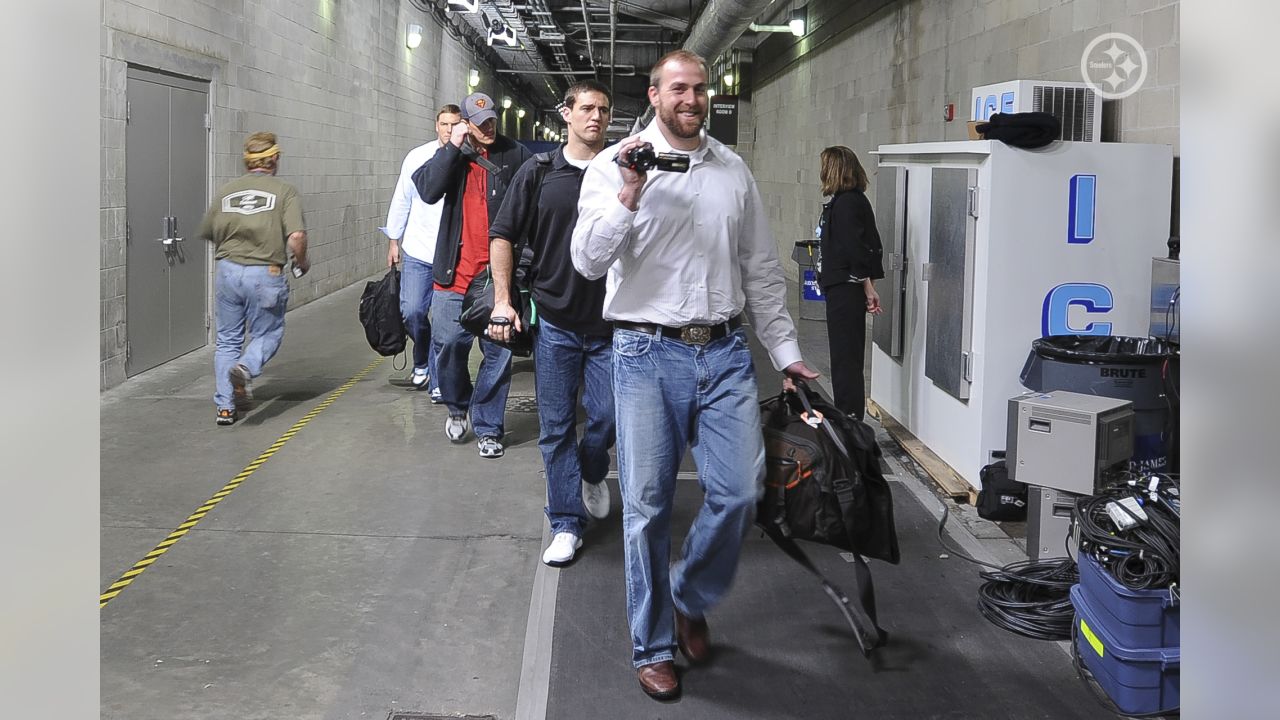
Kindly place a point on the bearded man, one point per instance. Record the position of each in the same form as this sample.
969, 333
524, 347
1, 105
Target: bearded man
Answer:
685, 255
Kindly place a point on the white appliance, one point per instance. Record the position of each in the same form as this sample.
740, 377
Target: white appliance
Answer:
988, 247
1075, 104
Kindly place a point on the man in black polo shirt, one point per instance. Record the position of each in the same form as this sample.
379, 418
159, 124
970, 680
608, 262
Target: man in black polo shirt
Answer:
572, 342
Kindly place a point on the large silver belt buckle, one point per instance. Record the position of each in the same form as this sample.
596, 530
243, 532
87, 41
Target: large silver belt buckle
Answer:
695, 334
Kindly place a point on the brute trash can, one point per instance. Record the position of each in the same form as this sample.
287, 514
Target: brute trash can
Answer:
809, 258
1141, 370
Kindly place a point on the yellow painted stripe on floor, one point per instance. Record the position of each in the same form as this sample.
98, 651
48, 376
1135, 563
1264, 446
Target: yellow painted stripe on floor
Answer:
132, 574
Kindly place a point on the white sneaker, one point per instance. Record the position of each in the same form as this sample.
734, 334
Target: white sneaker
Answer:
419, 378
455, 428
561, 550
490, 447
241, 383
595, 497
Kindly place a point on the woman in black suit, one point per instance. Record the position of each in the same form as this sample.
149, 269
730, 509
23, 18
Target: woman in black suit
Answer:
850, 266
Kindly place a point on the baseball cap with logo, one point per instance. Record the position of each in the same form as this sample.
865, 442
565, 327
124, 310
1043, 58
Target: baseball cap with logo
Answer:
477, 108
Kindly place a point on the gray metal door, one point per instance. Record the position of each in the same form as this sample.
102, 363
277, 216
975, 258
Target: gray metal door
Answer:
891, 222
166, 265
949, 273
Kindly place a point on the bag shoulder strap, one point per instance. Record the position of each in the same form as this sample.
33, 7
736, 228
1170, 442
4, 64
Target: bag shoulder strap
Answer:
860, 616
542, 163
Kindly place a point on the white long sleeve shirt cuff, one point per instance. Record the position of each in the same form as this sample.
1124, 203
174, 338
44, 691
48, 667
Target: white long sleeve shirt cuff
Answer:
785, 354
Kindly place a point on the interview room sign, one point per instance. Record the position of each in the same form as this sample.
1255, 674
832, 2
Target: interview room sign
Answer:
724, 119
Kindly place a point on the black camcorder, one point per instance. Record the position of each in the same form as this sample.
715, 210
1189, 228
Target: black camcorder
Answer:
643, 159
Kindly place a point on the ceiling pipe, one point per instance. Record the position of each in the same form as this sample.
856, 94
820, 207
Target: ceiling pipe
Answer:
613, 40
623, 71
718, 26
590, 48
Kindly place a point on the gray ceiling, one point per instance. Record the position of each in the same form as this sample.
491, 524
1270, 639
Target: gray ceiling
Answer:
615, 41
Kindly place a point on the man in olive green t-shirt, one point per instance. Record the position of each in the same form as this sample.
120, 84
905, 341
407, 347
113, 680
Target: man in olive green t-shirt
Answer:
255, 220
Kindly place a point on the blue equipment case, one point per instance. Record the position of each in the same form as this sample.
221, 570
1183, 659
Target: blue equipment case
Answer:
1135, 618
1138, 681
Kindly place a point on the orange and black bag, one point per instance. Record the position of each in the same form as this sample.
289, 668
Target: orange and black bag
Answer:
823, 484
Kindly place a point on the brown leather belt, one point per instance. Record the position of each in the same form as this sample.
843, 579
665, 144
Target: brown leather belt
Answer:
690, 334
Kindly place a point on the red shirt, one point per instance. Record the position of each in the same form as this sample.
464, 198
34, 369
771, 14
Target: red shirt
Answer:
475, 229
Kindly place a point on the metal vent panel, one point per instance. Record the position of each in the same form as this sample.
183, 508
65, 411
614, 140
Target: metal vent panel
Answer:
1074, 108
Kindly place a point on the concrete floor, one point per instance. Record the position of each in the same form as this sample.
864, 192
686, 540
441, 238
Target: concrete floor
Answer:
367, 567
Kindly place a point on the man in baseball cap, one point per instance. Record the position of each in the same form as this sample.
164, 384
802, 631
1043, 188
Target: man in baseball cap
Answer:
470, 174
482, 119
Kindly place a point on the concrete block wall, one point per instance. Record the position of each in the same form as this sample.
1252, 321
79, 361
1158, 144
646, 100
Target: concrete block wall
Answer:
332, 79
888, 79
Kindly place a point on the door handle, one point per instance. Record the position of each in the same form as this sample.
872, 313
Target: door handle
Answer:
169, 230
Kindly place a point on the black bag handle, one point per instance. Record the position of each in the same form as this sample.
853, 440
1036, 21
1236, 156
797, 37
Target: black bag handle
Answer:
808, 407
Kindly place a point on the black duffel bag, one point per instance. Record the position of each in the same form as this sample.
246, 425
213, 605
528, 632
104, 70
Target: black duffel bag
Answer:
823, 483
380, 314
477, 310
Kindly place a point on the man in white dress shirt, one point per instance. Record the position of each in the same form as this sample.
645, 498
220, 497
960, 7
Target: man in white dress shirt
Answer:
413, 226
685, 255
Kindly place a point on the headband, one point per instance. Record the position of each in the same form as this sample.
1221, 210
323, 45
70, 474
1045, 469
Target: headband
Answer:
261, 154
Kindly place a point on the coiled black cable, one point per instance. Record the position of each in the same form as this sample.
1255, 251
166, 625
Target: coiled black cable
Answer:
1033, 598
1030, 598
1145, 556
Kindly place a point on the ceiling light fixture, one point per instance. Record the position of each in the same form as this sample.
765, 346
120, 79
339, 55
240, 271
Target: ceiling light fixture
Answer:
466, 6
799, 21
797, 25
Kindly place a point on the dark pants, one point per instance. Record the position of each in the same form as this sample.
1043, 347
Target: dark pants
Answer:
847, 334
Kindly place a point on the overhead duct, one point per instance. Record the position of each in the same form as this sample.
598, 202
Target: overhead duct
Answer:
718, 26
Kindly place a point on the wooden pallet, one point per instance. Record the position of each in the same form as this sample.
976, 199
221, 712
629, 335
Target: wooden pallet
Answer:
947, 479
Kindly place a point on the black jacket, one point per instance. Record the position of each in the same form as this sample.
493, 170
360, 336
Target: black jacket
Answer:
564, 296
445, 176
849, 240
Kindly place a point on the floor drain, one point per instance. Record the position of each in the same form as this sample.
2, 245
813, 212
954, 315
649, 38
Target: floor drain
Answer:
522, 404
397, 715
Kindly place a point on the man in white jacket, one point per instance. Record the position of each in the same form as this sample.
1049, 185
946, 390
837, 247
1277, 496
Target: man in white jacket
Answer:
412, 226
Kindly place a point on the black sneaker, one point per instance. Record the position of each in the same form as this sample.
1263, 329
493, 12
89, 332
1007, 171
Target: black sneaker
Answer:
226, 417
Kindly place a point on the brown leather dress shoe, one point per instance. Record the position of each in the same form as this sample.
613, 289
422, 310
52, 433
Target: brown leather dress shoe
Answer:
659, 681
693, 637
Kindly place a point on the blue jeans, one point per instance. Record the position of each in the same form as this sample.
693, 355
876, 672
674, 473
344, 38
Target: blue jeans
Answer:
487, 401
415, 306
563, 361
668, 393
246, 295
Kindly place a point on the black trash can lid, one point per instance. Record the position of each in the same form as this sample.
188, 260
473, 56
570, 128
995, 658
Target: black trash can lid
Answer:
1104, 349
